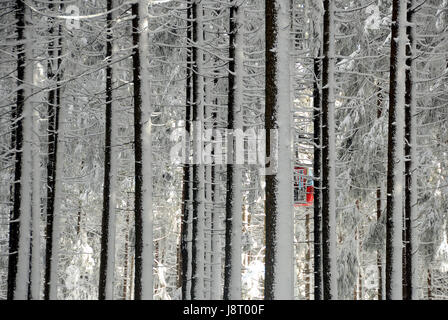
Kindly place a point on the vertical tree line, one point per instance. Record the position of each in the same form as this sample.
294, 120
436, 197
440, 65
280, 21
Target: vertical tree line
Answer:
197, 261
186, 228
107, 258
55, 162
234, 197
279, 260
410, 173
317, 247
19, 245
143, 153
329, 263
395, 161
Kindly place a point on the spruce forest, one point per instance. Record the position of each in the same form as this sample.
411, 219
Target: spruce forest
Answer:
223, 149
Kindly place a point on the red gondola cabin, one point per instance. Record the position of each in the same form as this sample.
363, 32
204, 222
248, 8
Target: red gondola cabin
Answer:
303, 187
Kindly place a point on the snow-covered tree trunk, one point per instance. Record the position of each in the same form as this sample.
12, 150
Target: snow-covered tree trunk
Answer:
234, 196
317, 164
143, 285
208, 158
216, 286
379, 209
279, 260
55, 165
189, 239
36, 210
329, 250
185, 240
107, 255
307, 269
395, 161
19, 232
187, 172
197, 281
411, 239
379, 257
208, 227
58, 195
53, 114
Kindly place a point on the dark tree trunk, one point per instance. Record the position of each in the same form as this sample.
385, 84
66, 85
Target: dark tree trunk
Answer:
138, 152
184, 263
409, 144
328, 279
229, 273
270, 113
196, 250
53, 73
195, 164
105, 227
216, 292
317, 163
17, 141
379, 259
279, 261
395, 159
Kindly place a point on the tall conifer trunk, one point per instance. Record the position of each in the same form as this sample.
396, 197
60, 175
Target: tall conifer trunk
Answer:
143, 284
279, 259
19, 225
395, 161
197, 281
56, 119
107, 254
329, 253
317, 164
234, 197
410, 174
186, 188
